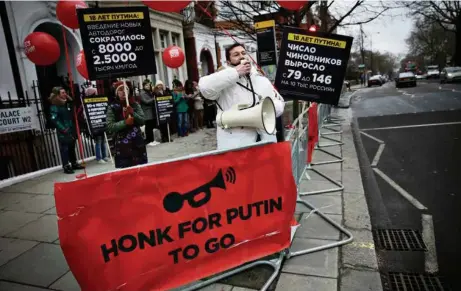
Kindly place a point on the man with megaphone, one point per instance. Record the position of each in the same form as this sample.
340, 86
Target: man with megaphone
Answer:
247, 102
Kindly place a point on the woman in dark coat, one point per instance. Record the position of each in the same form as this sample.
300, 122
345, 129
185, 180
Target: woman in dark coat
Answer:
124, 123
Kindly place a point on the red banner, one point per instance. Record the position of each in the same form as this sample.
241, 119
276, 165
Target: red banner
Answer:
161, 226
313, 131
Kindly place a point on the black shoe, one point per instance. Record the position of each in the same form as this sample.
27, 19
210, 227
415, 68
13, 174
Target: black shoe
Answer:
77, 167
68, 169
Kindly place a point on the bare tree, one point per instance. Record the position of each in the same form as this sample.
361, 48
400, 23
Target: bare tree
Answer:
431, 41
447, 14
331, 14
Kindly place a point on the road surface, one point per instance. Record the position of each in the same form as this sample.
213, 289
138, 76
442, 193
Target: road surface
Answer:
412, 146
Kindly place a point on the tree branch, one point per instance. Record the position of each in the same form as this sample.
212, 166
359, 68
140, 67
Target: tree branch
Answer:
357, 4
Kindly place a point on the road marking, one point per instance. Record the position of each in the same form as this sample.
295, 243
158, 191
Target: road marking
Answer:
412, 126
401, 191
378, 155
430, 257
372, 137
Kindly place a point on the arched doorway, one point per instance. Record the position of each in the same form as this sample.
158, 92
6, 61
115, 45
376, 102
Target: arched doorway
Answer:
57, 73
207, 62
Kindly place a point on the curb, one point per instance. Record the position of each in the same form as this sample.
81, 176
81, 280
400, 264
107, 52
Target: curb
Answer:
358, 260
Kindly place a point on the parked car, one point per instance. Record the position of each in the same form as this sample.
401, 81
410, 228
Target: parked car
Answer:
421, 76
375, 80
450, 74
433, 72
405, 79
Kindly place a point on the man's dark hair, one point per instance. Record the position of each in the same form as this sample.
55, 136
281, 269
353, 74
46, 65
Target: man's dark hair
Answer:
231, 48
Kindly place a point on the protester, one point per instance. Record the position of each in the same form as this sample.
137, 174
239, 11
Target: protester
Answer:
99, 139
159, 91
239, 83
148, 108
189, 91
198, 105
182, 108
124, 123
61, 111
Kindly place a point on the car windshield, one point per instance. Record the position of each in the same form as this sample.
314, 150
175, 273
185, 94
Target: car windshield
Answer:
453, 69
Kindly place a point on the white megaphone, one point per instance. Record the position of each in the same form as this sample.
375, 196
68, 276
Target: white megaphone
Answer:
261, 116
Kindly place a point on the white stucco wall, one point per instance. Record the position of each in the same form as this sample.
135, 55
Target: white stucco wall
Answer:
204, 39
24, 18
6, 76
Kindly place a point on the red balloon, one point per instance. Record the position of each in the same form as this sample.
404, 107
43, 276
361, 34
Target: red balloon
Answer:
292, 5
80, 63
41, 48
173, 57
167, 6
66, 12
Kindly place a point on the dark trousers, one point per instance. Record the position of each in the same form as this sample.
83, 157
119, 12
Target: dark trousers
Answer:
68, 154
209, 115
150, 125
164, 131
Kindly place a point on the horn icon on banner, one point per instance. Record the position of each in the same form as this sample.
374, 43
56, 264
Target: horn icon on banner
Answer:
174, 201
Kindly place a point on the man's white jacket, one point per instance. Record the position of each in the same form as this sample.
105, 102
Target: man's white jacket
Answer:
223, 88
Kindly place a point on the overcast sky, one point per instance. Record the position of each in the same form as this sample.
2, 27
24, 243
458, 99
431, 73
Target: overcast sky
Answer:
387, 33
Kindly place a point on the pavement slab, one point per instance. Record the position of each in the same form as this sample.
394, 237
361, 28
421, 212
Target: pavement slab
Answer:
12, 220
29, 203
39, 266
9, 286
328, 204
323, 263
10, 248
293, 282
66, 283
315, 227
44, 229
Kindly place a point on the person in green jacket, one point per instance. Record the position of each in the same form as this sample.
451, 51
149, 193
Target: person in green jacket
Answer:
61, 116
182, 108
124, 123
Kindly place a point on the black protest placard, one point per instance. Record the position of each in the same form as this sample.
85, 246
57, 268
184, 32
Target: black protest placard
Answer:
96, 113
117, 42
312, 65
164, 106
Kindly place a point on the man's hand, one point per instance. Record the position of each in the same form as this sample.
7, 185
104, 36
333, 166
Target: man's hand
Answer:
244, 69
129, 120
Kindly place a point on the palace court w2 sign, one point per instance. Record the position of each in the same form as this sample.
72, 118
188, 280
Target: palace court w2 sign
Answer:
312, 65
16, 119
117, 42
145, 229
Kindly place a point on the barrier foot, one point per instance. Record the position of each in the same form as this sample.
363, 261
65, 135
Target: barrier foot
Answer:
340, 186
349, 239
339, 159
276, 264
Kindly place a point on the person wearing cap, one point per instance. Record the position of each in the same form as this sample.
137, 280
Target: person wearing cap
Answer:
239, 83
161, 91
124, 123
148, 107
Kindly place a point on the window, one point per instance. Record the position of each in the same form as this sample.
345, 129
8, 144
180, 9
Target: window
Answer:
175, 39
163, 40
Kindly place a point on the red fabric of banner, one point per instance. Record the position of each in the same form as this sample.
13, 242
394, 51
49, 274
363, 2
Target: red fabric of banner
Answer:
313, 131
161, 226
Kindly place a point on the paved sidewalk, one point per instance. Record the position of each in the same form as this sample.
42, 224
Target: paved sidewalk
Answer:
31, 258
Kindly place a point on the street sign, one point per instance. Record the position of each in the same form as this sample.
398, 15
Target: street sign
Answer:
312, 65
362, 66
117, 42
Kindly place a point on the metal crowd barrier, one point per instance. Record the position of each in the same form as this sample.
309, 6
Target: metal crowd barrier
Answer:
298, 136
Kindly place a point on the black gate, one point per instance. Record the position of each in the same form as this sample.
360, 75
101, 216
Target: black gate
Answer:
32, 150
